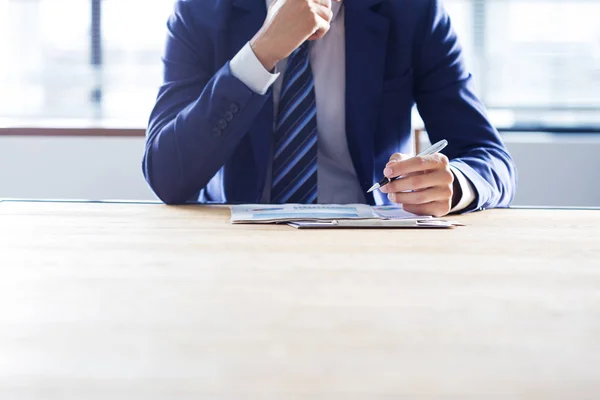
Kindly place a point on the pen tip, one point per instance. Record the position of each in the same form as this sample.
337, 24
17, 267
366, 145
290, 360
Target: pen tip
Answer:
375, 186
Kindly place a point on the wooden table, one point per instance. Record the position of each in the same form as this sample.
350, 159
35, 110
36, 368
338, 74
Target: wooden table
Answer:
117, 301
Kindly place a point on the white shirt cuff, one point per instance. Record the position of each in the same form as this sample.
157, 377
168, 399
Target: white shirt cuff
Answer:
468, 191
247, 68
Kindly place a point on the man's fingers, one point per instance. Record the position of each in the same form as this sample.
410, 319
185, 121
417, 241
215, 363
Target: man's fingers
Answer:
419, 181
326, 3
438, 193
416, 164
426, 185
322, 8
436, 208
322, 28
323, 12
398, 157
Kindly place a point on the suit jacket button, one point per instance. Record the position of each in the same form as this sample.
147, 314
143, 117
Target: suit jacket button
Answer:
228, 116
234, 108
217, 132
222, 124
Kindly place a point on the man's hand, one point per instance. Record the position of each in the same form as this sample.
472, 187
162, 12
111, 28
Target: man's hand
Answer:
426, 187
290, 23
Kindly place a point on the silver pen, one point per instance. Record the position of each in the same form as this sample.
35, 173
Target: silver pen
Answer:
436, 148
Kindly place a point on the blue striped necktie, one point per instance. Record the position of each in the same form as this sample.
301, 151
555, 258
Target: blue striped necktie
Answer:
295, 151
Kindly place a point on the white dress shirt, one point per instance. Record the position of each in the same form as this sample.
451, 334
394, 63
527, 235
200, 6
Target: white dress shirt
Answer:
337, 179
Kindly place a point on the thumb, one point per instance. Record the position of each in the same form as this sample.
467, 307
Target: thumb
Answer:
398, 157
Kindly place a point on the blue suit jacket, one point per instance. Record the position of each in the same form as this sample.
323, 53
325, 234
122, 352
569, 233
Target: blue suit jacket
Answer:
208, 138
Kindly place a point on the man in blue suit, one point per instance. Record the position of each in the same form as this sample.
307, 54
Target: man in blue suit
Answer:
305, 101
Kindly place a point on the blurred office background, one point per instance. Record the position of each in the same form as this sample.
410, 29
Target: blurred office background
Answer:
78, 79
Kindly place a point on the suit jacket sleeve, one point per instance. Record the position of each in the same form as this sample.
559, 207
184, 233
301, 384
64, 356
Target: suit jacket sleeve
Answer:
447, 103
200, 115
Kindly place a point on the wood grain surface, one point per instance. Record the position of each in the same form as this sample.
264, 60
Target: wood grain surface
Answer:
124, 301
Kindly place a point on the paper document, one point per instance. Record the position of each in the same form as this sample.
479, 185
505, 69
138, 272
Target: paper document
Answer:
373, 223
261, 213
394, 212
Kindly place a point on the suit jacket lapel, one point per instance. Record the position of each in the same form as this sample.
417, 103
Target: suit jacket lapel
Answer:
366, 42
246, 19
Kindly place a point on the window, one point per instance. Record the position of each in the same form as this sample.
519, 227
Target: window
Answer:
56, 68
539, 61
536, 62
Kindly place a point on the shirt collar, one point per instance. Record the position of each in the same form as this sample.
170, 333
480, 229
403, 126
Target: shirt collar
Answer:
335, 7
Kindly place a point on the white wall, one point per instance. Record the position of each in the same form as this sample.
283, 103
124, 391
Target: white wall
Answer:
554, 170
94, 168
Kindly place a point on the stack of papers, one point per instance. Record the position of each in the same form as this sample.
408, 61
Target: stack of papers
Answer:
333, 216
